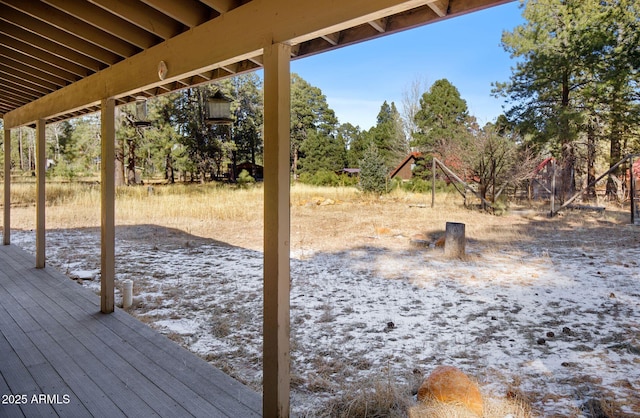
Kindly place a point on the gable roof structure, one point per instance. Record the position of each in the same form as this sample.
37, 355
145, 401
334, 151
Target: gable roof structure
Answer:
411, 158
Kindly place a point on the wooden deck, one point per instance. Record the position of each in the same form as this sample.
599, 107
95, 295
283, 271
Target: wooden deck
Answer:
55, 342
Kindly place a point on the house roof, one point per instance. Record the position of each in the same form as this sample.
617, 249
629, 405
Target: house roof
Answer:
59, 58
413, 156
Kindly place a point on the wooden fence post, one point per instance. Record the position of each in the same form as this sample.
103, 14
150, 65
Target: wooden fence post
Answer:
553, 188
433, 182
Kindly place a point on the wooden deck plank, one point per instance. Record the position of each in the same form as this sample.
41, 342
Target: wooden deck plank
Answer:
79, 340
89, 362
78, 344
14, 372
20, 382
50, 382
8, 410
195, 389
226, 390
88, 392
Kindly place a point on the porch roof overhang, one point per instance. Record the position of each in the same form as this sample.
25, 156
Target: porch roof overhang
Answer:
59, 58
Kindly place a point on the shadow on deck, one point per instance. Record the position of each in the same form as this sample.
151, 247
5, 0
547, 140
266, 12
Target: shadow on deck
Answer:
61, 357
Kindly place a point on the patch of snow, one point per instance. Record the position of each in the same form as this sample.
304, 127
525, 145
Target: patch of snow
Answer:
547, 320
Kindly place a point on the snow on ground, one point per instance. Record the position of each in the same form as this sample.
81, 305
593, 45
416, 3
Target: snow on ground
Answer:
557, 321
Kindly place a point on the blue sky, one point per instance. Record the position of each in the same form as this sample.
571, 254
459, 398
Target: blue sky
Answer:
465, 50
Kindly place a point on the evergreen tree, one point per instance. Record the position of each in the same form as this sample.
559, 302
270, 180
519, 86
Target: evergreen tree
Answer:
202, 143
577, 64
322, 153
164, 140
355, 143
442, 121
388, 135
309, 112
82, 150
373, 171
248, 115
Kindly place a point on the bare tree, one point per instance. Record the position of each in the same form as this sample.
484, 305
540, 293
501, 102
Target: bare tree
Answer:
410, 103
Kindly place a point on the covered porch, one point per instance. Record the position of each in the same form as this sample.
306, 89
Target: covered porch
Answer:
65, 59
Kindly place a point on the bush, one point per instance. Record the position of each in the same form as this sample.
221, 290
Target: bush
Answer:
327, 178
245, 179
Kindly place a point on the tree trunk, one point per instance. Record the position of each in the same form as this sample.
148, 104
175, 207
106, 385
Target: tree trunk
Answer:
294, 165
591, 161
615, 150
568, 152
21, 149
131, 163
168, 171
119, 173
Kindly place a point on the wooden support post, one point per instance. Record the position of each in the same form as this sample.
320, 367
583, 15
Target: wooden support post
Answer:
41, 166
433, 182
6, 235
276, 355
454, 240
107, 207
553, 187
635, 202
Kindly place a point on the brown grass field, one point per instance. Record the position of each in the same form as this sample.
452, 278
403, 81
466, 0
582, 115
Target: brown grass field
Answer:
321, 218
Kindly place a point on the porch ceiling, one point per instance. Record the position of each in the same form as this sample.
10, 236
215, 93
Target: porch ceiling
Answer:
58, 58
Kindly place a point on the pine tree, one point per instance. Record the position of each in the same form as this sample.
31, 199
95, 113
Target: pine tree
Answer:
322, 152
443, 121
388, 135
373, 171
309, 112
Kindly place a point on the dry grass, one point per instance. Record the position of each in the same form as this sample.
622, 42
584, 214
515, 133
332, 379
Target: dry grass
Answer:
492, 408
321, 216
379, 397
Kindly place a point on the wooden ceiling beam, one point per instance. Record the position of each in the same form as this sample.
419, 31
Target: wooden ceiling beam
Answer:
70, 24
17, 90
332, 38
380, 25
441, 7
230, 68
100, 18
143, 16
190, 13
19, 69
27, 84
39, 65
53, 48
43, 56
12, 73
258, 60
280, 21
61, 37
17, 97
222, 6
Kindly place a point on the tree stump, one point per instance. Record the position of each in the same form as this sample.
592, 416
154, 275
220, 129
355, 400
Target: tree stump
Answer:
454, 243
